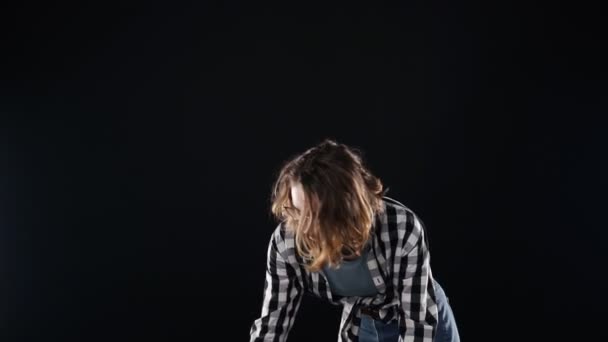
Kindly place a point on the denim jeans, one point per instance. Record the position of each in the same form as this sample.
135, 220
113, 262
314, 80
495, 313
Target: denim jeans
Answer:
447, 331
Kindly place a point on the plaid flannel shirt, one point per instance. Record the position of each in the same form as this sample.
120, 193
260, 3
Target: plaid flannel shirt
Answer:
399, 263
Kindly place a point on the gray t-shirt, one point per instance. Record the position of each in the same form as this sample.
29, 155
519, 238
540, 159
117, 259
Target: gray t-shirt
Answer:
352, 278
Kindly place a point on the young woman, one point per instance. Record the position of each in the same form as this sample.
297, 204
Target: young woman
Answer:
341, 239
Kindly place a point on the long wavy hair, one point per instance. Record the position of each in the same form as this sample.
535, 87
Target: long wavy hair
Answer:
341, 199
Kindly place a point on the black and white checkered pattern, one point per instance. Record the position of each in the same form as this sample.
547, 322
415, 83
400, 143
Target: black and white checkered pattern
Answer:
399, 264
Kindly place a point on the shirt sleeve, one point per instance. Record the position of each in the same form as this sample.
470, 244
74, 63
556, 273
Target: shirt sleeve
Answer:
418, 319
281, 300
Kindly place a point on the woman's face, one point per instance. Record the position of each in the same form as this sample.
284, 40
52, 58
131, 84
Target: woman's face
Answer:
297, 195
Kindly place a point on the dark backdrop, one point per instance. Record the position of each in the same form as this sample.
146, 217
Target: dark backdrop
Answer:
140, 142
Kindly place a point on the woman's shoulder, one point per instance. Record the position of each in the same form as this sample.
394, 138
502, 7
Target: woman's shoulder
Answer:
404, 217
395, 208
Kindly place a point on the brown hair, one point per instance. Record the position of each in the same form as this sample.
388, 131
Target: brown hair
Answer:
342, 198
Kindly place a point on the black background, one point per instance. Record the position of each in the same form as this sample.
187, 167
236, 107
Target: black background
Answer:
140, 141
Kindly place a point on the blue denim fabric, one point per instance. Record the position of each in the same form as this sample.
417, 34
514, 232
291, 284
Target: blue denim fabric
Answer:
447, 331
376, 331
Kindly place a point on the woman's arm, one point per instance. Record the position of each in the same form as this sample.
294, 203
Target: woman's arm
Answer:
417, 322
282, 296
